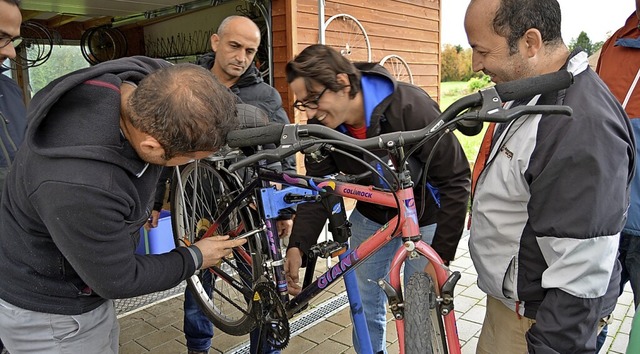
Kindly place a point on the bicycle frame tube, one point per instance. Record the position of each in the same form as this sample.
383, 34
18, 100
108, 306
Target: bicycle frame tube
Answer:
273, 243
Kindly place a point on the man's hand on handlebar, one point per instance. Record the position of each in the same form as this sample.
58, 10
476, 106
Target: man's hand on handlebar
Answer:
215, 248
292, 265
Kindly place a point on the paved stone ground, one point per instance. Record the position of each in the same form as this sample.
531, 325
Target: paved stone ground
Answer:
157, 329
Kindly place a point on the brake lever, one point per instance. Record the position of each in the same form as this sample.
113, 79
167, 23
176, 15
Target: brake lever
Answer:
541, 109
502, 115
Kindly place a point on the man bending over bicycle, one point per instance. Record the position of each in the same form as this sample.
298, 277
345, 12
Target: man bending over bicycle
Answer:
364, 100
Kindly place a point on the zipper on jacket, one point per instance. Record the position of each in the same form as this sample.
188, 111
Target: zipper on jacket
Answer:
5, 152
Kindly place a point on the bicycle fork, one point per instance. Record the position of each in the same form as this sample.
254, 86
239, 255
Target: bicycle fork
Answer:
444, 282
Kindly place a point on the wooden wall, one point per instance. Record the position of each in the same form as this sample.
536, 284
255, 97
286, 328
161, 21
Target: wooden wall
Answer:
283, 22
408, 28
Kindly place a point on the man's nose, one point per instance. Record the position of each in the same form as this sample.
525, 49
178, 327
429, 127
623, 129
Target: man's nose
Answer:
311, 112
8, 51
241, 56
476, 64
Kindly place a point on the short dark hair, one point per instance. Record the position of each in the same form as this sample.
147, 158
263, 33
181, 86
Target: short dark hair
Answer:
13, 2
515, 17
322, 64
185, 108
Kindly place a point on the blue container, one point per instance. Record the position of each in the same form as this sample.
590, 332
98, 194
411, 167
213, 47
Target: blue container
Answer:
159, 239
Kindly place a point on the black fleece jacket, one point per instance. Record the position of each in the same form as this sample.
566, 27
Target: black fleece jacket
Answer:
76, 198
13, 119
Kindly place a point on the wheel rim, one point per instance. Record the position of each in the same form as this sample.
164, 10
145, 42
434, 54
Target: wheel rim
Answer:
201, 195
346, 34
398, 67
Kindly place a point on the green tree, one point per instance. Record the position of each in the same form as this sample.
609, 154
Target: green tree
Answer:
449, 69
456, 63
583, 42
597, 46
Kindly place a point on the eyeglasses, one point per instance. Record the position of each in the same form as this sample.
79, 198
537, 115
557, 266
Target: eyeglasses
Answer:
309, 104
4, 41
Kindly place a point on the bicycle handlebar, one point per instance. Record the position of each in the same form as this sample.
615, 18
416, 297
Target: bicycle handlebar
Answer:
490, 101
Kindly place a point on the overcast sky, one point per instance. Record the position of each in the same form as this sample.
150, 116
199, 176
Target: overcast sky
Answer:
598, 18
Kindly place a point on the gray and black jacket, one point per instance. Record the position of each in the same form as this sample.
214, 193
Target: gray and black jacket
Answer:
548, 209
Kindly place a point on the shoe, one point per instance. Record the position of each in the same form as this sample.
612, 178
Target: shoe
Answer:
197, 351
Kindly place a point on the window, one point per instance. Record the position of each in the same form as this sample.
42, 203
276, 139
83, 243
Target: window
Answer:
63, 60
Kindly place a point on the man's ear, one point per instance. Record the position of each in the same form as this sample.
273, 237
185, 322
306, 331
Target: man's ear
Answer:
150, 146
215, 41
532, 42
343, 79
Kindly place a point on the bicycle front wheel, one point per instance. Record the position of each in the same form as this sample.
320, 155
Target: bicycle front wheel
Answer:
424, 332
200, 195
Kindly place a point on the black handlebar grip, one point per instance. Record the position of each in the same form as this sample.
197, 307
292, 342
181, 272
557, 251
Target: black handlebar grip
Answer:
269, 134
524, 88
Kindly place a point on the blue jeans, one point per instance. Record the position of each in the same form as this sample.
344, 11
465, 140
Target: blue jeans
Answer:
198, 329
374, 300
629, 257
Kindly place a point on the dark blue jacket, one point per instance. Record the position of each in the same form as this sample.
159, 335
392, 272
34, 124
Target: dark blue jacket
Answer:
13, 119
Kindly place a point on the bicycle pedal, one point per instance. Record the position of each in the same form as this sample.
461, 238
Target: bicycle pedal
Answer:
328, 249
339, 252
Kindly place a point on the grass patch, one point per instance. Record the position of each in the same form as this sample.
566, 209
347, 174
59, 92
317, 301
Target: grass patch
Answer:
452, 91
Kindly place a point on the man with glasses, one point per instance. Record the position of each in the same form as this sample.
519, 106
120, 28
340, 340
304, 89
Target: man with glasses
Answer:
363, 100
12, 110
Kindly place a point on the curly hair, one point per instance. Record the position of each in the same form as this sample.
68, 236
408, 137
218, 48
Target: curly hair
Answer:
185, 108
514, 17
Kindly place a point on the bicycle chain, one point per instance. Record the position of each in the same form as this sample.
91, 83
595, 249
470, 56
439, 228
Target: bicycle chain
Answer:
271, 315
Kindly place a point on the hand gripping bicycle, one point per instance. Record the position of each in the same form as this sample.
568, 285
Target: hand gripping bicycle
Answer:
249, 289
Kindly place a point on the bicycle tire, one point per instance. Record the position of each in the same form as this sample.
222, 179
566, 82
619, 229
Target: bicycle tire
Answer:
38, 43
398, 67
424, 332
197, 198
